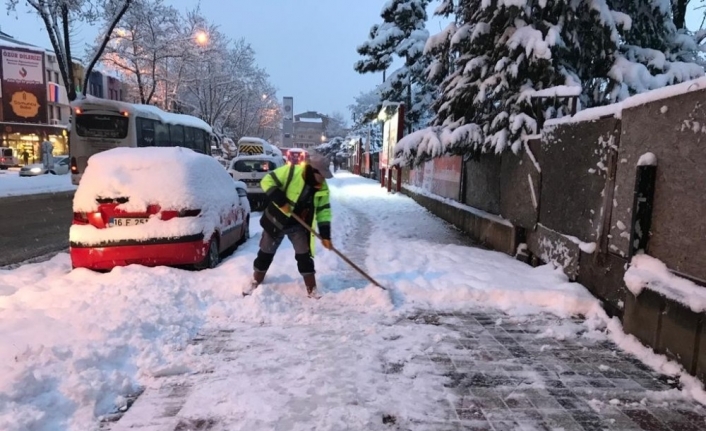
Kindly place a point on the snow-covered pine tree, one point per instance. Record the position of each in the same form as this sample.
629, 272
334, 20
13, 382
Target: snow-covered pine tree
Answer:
505, 51
401, 34
653, 53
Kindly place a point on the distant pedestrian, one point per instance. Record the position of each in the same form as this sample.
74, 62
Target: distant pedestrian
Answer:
25, 157
335, 164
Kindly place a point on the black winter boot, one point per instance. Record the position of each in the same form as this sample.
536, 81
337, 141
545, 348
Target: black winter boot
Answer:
310, 282
257, 278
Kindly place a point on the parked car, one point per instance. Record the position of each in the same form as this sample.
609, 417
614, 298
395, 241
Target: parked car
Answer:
251, 170
61, 167
156, 206
296, 155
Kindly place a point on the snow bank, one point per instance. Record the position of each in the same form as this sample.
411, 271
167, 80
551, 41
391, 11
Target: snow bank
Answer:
73, 343
429, 272
173, 178
646, 272
11, 184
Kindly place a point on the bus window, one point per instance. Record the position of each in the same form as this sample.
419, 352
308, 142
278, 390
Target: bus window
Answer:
176, 135
101, 126
199, 141
161, 132
189, 138
145, 132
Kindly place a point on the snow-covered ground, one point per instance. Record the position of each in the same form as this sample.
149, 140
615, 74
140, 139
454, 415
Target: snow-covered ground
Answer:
11, 184
76, 344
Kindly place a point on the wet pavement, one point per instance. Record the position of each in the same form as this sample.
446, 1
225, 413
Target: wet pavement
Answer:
34, 226
507, 373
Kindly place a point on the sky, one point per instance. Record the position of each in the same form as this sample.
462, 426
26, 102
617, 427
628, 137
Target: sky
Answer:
307, 46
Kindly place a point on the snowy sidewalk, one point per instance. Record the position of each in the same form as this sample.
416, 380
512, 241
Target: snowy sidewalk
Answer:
11, 184
470, 340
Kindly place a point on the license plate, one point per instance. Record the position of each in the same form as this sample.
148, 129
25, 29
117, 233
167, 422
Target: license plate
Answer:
127, 221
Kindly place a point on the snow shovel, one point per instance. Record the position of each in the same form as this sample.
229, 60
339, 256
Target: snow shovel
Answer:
345, 259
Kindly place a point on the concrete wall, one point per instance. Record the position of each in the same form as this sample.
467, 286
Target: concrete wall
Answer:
577, 186
520, 186
574, 159
482, 183
673, 129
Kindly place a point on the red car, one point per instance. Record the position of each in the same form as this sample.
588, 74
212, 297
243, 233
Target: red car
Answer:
156, 206
296, 156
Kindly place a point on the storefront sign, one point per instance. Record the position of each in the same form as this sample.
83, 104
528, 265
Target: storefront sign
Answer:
393, 130
23, 88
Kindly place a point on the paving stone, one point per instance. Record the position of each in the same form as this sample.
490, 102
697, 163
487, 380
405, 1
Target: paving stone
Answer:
506, 377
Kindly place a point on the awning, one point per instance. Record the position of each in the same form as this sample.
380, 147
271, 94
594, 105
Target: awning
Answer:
27, 128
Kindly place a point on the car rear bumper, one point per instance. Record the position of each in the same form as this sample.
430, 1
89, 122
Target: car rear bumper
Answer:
156, 252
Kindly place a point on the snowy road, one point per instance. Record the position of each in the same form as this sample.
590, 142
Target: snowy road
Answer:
470, 339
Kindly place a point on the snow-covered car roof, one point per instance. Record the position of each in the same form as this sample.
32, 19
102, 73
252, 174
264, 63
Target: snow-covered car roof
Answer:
172, 177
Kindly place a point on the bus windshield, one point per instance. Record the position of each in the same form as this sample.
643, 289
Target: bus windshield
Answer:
101, 126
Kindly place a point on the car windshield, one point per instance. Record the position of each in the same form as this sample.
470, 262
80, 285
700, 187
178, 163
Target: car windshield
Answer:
254, 166
6, 152
101, 126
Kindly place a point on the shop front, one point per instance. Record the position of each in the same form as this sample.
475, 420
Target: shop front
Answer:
28, 137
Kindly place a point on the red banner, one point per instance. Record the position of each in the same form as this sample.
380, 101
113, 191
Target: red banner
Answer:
440, 176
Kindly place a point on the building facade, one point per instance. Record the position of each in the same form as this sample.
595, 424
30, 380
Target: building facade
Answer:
308, 130
34, 103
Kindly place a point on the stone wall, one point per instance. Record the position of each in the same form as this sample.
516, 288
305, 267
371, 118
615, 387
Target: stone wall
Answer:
674, 130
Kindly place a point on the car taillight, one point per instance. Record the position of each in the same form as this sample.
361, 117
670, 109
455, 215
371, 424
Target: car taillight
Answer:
81, 218
74, 166
167, 215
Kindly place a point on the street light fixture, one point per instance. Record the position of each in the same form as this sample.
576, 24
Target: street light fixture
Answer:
201, 38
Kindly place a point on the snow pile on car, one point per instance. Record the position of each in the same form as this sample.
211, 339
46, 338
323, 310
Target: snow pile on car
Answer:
174, 178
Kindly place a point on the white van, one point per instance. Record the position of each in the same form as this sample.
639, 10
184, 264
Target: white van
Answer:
248, 146
7, 158
251, 169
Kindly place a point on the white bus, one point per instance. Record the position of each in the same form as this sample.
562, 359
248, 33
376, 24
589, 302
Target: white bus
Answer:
102, 124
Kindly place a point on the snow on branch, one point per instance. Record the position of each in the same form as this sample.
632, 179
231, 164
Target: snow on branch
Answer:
436, 141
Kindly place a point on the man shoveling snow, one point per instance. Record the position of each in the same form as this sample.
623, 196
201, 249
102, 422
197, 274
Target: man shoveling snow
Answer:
300, 190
